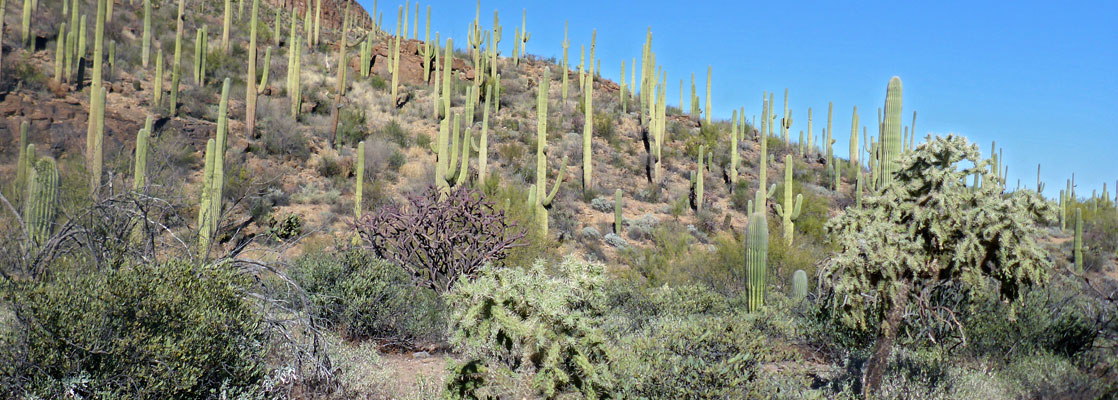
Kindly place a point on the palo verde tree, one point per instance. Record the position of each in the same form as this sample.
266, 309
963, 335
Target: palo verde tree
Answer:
925, 229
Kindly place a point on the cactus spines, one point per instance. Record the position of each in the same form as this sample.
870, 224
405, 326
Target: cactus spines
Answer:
176, 70
358, 192
789, 212
1079, 240
799, 284
756, 256
250, 76
891, 130
542, 197
618, 206
39, 206
587, 135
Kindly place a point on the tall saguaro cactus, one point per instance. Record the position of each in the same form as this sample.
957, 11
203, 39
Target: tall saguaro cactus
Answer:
789, 211
396, 56
214, 176
543, 199
756, 256
250, 77
618, 207
854, 151
483, 143
226, 24
891, 130
587, 134
708, 111
697, 181
176, 70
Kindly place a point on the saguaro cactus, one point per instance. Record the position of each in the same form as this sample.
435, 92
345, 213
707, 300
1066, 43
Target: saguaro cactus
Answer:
756, 256
396, 56
1079, 240
697, 181
483, 143
26, 27
39, 206
542, 197
618, 206
854, 151
587, 134
358, 192
59, 53
799, 284
176, 70
566, 44
95, 136
891, 130
789, 212
139, 174
250, 76
226, 24
24, 164
145, 51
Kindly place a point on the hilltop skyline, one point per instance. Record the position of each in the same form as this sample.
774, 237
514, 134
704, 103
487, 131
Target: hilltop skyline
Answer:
1015, 76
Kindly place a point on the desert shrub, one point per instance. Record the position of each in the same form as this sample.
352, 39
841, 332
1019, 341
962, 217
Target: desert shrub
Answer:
351, 126
330, 166
526, 328
440, 238
659, 264
281, 134
369, 298
393, 132
604, 127
695, 357
169, 330
286, 228
518, 212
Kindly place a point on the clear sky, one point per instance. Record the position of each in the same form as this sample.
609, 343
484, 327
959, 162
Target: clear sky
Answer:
1039, 77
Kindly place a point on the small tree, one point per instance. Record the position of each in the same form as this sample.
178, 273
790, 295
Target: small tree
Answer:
927, 229
440, 239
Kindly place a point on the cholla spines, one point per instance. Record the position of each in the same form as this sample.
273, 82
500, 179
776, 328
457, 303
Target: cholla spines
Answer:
799, 284
789, 212
891, 130
358, 192
543, 199
618, 206
1079, 240
176, 70
756, 255
39, 206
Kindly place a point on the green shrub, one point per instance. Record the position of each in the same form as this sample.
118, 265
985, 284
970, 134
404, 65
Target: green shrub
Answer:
170, 330
529, 329
368, 298
351, 126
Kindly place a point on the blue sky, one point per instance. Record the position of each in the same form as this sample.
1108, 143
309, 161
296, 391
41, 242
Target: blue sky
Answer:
1040, 78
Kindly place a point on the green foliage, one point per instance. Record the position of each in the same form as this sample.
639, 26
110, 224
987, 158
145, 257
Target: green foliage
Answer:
535, 329
369, 298
287, 228
170, 330
351, 125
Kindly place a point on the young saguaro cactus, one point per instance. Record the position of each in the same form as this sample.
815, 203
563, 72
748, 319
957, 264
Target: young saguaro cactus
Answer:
139, 174
24, 164
789, 212
39, 206
891, 130
697, 181
756, 255
542, 197
799, 284
618, 207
